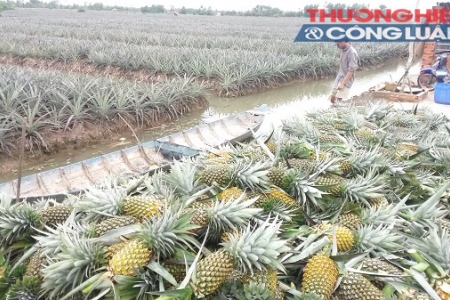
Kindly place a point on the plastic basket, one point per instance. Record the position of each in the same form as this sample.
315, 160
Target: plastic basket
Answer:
442, 93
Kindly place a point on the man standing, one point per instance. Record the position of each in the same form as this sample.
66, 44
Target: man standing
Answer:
346, 75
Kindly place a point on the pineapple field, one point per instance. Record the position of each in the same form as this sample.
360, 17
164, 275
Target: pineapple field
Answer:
69, 79
349, 202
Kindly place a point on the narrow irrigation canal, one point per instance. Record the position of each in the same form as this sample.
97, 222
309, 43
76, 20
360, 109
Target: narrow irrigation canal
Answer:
292, 99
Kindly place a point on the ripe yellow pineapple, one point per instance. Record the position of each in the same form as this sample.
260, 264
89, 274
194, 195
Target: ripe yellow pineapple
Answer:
319, 276
345, 238
133, 254
114, 248
321, 155
231, 193
143, 207
283, 197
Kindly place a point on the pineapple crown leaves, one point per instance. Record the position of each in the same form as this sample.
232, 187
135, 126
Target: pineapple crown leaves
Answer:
136, 287
302, 187
362, 188
26, 288
257, 247
382, 239
100, 202
383, 215
77, 261
364, 159
435, 247
255, 291
17, 222
253, 175
231, 214
182, 177
169, 231
428, 210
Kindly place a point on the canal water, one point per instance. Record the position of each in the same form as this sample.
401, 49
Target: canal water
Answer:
282, 102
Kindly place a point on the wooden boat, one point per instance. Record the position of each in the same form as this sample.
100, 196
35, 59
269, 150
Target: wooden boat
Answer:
230, 129
137, 160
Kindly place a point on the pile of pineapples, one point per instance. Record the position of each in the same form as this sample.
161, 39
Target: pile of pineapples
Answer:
344, 203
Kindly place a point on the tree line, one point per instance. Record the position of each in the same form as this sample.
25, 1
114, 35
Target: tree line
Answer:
257, 11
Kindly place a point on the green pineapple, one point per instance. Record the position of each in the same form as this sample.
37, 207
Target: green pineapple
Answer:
109, 224
350, 220
56, 214
275, 175
245, 175
262, 248
381, 266
356, 287
35, 265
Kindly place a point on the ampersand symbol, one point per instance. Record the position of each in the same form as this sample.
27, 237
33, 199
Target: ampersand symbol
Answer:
313, 33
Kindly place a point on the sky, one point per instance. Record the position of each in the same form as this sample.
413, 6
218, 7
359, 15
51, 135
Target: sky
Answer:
243, 5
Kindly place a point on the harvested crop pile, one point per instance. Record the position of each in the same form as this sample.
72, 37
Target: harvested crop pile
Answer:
347, 203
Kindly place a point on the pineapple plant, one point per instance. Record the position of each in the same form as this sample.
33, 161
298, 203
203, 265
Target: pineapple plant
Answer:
27, 288
350, 220
101, 228
320, 276
231, 193
261, 251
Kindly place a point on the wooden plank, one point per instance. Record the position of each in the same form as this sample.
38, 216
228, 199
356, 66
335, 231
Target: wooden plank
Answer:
379, 92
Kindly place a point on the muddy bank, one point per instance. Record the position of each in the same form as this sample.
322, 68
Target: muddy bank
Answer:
86, 136
143, 75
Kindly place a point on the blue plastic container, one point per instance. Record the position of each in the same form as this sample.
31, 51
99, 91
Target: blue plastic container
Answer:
442, 93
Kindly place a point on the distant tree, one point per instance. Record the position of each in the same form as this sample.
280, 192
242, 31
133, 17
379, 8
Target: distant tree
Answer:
3, 6
154, 9
183, 10
309, 6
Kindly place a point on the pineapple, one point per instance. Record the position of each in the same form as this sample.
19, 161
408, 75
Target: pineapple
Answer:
112, 223
330, 183
345, 239
275, 175
56, 214
242, 174
272, 146
378, 202
261, 251
35, 265
98, 202
222, 216
132, 255
231, 193
142, 207
158, 237
114, 248
319, 276
302, 164
349, 220
267, 277
282, 197
381, 266
356, 287
200, 217
219, 157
